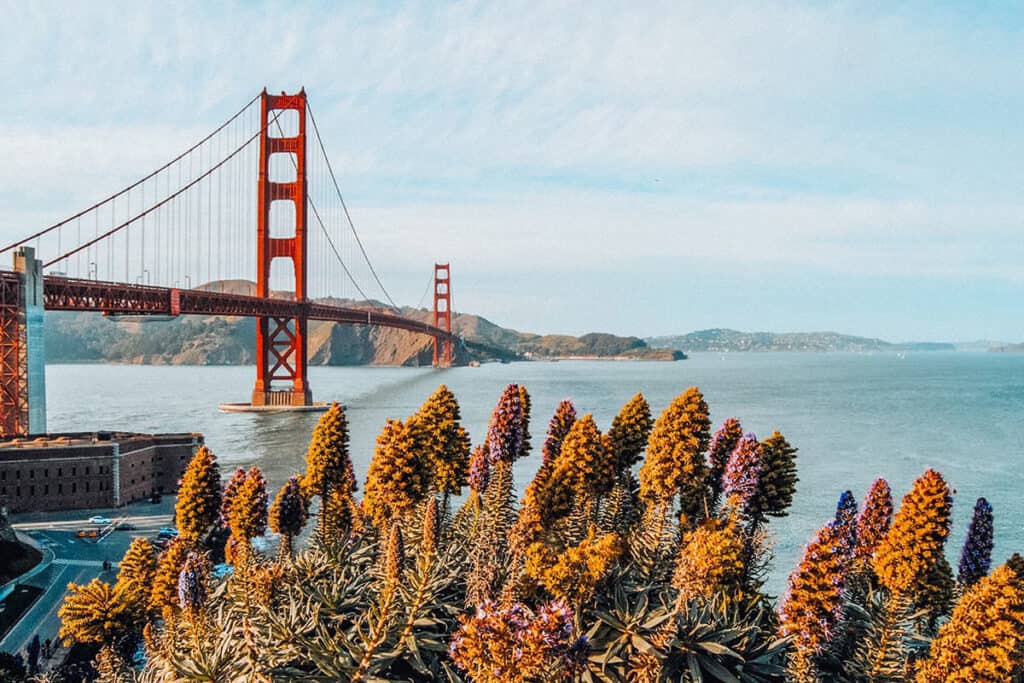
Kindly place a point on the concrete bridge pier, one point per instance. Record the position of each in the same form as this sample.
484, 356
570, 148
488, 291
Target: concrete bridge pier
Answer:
22, 347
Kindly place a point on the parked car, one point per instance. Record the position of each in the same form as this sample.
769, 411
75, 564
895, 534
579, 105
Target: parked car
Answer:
167, 532
88, 533
161, 542
126, 526
99, 519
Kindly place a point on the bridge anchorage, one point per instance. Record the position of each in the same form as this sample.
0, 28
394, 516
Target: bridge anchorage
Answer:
179, 242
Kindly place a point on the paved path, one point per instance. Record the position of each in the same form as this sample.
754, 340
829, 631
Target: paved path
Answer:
76, 560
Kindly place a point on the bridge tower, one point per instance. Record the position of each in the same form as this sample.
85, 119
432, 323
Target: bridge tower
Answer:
442, 314
281, 343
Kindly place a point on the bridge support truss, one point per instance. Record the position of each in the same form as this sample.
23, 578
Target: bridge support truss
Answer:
443, 314
281, 343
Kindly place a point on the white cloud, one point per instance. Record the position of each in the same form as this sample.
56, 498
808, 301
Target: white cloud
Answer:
870, 141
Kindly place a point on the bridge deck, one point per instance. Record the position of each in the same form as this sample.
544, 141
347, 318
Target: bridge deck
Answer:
70, 294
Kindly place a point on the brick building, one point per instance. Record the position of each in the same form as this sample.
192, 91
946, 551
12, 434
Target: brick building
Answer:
89, 470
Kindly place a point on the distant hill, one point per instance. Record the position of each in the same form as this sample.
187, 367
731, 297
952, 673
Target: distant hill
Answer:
1008, 348
218, 340
732, 340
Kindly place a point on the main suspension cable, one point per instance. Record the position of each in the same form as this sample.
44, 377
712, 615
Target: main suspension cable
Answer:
133, 185
156, 206
348, 216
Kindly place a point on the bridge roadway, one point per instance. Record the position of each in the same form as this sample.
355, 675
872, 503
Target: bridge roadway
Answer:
71, 294
76, 560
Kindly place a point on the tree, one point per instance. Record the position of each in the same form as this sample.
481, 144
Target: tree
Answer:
94, 613
442, 441
199, 497
288, 514
629, 432
675, 455
397, 479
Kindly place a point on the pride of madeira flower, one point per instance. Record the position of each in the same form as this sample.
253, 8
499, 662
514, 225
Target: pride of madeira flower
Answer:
983, 639
976, 556
675, 455
913, 547
812, 604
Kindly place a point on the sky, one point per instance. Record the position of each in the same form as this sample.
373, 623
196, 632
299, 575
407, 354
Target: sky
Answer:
636, 168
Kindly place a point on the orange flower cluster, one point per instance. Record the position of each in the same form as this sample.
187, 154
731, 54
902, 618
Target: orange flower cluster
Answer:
675, 454
984, 638
813, 601
914, 544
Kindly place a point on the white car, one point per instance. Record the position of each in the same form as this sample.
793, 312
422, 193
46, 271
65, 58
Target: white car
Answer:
98, 519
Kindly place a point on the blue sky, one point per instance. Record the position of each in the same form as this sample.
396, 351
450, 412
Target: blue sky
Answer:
644, 168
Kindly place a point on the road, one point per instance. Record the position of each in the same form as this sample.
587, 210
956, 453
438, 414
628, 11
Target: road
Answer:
76, 560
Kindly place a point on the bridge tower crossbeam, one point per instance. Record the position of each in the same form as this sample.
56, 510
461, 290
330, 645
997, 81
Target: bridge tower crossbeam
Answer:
281, 343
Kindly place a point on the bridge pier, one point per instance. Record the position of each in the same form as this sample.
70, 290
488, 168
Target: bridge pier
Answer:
22, 347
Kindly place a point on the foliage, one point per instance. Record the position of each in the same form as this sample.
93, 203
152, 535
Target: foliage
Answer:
813, 602
289, 513
874, 521
397, 479
593, 576
778, 476
165, 584
742, 477
198, 507
675, 455
247, 514
629, 432
442, 441
561, 422
513, 644
976, 556
722, 445
507, 431
137, 572
917, 536
984, 638
94, 613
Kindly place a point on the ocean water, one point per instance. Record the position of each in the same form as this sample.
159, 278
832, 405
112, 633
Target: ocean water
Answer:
854, 417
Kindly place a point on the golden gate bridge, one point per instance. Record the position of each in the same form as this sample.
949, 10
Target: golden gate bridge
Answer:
179, 241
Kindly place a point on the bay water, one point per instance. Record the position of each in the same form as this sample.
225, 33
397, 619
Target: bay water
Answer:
854, 417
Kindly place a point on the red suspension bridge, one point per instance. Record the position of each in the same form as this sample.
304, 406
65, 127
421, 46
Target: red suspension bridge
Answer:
179, 241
